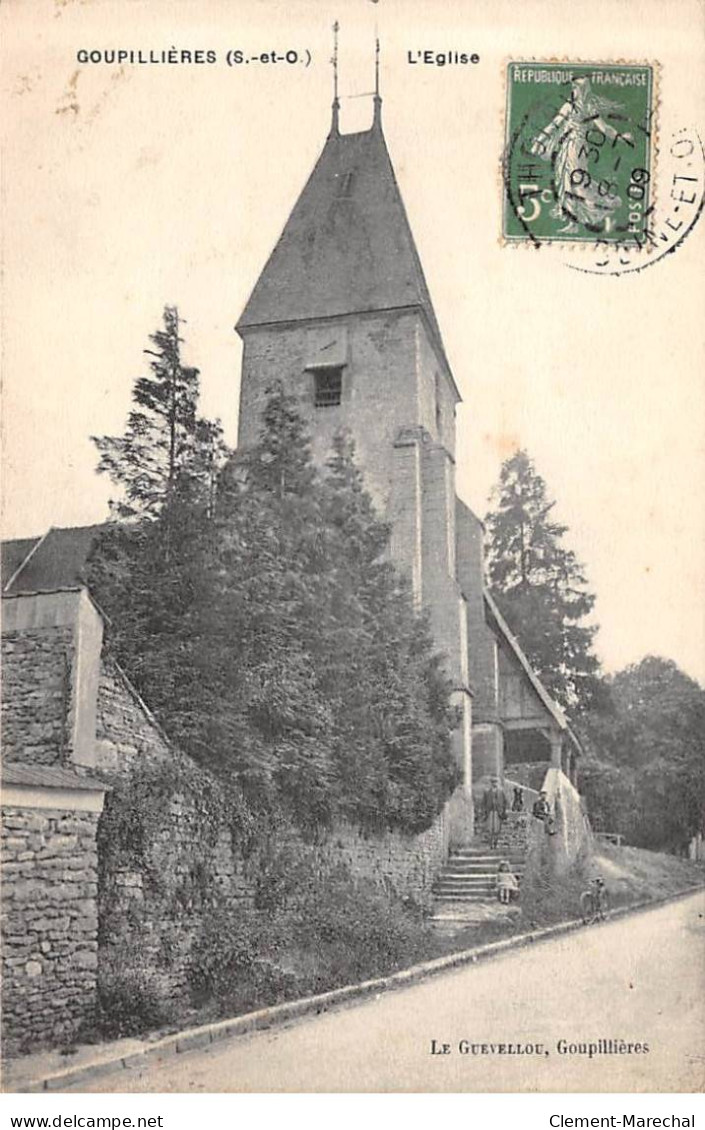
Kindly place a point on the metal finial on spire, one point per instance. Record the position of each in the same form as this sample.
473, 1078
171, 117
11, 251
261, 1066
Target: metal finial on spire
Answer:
377, 99
334, 60
335, 125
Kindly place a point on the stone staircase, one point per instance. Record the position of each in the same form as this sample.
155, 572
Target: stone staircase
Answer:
469, 875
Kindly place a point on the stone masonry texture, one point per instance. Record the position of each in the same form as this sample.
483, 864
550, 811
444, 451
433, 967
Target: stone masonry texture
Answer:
406, 865
125, 731
49, 960
36, 690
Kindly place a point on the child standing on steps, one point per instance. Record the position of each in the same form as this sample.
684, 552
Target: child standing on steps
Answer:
507, 883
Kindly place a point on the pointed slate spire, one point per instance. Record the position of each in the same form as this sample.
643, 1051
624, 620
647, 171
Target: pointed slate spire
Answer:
347, 246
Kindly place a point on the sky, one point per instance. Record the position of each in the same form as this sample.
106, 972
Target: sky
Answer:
127, 188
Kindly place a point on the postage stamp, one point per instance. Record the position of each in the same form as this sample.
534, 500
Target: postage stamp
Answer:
579, 149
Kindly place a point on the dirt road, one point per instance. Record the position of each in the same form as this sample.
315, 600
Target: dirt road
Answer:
523, 1022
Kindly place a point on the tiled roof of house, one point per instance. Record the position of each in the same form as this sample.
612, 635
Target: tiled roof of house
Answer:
13, 554
48, 564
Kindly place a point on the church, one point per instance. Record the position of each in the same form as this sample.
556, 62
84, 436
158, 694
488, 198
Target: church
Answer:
342, 315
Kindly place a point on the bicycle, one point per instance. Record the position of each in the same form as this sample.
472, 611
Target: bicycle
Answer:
594, 903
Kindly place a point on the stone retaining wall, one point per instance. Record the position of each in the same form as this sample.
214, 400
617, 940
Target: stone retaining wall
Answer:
403, 865
572, 842
156, 900
50, 875
171, 868
126, 732
165, 865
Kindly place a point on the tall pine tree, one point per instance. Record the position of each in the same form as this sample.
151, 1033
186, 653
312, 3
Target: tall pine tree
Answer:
166, 448
540, 585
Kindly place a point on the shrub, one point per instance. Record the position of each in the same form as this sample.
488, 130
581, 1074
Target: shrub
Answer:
329, 932
236, 960
355, 930
129, 1004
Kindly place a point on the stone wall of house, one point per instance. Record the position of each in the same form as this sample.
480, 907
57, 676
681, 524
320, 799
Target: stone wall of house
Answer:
36, 667
50, 875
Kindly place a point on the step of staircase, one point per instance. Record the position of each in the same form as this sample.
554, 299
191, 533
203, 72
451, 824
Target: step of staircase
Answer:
470, 863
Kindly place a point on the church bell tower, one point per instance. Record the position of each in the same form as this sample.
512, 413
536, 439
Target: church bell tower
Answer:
342, 315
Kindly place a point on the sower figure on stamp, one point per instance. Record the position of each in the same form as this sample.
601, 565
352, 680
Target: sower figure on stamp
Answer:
566, 142
494, 810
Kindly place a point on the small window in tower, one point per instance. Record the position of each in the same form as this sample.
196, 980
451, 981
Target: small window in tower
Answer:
329, 386
345, 184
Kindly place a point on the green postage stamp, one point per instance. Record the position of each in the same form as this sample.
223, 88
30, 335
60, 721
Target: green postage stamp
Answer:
577, 162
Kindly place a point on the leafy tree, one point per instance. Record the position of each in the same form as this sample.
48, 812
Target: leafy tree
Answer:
651, 736
166, 447
540, 585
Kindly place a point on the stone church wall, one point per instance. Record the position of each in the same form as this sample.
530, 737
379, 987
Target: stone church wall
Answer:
50, 874
379, 385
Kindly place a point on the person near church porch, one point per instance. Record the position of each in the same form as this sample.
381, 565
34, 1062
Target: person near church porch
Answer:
494, 810
542, 811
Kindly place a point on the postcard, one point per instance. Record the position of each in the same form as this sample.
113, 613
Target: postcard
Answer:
354, 546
